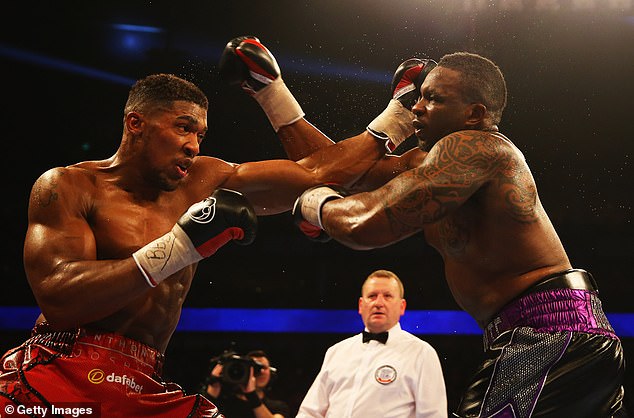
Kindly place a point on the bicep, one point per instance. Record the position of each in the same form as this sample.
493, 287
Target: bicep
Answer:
271, 186
387, 168
301, 139
57, 232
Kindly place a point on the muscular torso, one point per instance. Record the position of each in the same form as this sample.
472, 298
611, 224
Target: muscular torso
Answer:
121, 221
500, 240
475, 199
122, 224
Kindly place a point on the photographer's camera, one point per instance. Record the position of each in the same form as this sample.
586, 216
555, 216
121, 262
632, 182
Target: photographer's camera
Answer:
236, 369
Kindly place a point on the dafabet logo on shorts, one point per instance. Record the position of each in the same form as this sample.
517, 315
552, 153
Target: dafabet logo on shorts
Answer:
98, 376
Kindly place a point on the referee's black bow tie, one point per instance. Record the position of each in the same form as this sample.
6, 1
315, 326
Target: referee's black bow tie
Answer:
380, 337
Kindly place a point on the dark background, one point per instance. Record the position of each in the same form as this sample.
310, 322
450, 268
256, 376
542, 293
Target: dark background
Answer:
568, 64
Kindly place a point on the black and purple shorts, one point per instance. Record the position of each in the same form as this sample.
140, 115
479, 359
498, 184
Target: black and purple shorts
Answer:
549, 353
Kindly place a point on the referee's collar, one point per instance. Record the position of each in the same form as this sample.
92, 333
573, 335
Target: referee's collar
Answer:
392, 332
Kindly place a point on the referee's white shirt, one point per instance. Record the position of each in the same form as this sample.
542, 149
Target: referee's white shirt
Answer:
400, 379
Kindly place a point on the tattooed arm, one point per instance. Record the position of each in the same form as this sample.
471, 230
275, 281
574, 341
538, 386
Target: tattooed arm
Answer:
455, 168
388, 167
72, 287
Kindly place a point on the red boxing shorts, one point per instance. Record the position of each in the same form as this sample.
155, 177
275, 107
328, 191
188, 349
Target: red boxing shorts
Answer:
90, 374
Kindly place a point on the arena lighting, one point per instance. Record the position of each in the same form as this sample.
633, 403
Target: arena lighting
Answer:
62, 65
539, 5
313, 67
131, 44
319, 321
137, 28
309, 321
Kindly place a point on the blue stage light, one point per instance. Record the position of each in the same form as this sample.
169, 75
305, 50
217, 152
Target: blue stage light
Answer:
308, 321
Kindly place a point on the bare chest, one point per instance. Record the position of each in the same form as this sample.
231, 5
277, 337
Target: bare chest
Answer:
121, 223
454, 234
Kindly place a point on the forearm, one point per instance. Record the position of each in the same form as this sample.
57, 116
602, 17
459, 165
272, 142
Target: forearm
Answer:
81, 292
260, 410
301, 139
344, 162
365, 221
387, 168
213, 390
356, 222
263, 412
273, 186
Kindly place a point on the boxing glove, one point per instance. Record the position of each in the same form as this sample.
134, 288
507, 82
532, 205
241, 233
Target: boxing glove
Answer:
394, 124
249, 64
307, 210
408, 79
224, 216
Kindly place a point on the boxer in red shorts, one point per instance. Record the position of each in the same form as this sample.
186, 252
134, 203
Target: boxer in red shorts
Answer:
112, 245
111, 374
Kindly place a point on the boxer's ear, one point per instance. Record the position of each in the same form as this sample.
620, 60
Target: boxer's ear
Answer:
133, 122
476, 113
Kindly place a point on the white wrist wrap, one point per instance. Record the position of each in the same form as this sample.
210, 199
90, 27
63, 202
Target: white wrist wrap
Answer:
312, 202
395, 122
279, 104
166, 255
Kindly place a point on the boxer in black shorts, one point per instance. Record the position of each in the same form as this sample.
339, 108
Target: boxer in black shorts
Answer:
550, 349
540, 347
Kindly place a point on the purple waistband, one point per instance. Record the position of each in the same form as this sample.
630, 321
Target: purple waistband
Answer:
551, 311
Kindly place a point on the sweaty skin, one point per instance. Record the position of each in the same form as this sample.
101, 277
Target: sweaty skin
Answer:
473, 197
86, 220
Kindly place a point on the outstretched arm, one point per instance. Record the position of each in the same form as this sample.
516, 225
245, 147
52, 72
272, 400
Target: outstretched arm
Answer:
386, 168
454, 170
272, 186
300, 139
247, 63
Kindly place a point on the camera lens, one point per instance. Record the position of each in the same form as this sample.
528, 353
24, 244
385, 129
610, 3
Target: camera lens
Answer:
236, 371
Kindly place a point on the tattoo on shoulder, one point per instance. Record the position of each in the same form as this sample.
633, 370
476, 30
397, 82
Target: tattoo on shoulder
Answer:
521, 200
46, 194
454, 170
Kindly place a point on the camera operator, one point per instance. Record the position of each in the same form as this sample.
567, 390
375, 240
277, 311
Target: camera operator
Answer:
238, 385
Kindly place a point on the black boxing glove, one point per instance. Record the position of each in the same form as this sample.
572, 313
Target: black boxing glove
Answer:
408, 79
307, 210
224, 216
249, 64
394, 124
